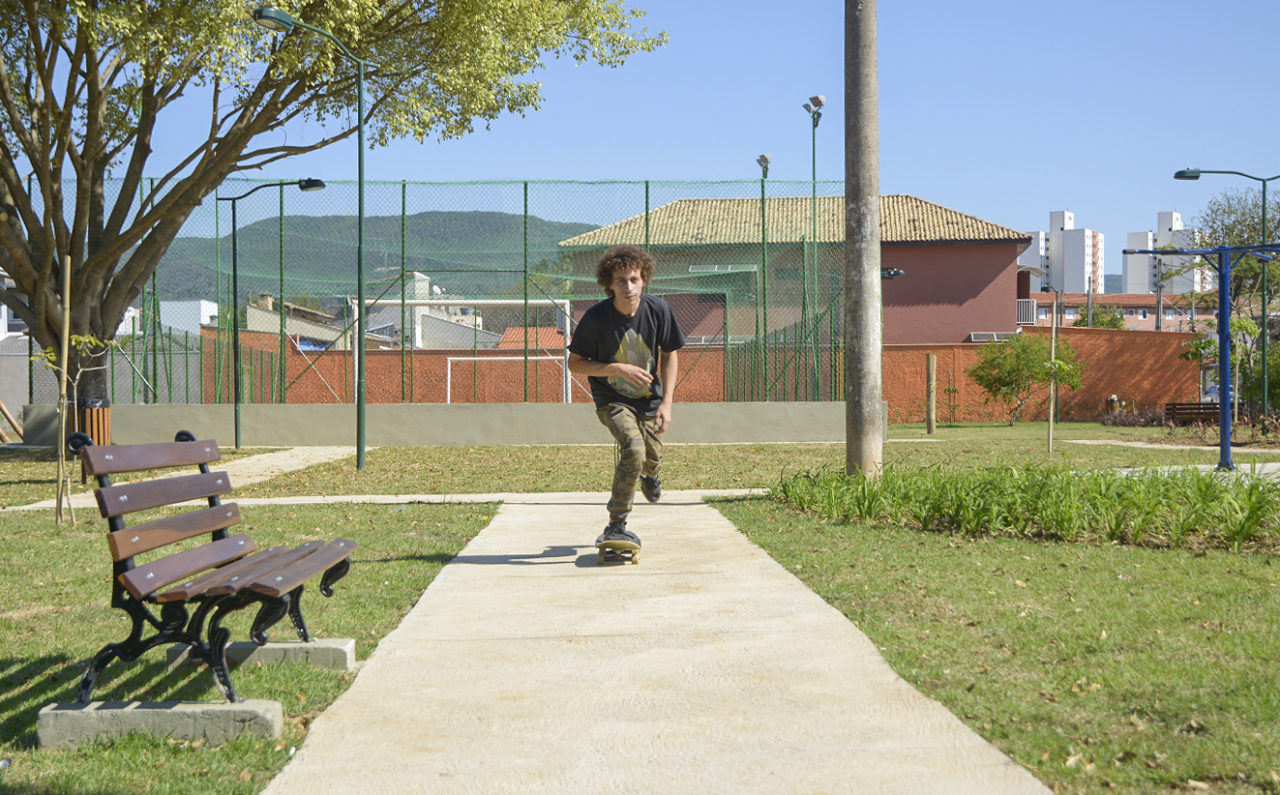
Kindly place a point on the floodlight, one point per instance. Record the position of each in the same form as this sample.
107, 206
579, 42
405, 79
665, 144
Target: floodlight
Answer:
273, 19
818, 101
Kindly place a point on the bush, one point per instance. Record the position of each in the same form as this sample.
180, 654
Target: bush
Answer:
1139, 419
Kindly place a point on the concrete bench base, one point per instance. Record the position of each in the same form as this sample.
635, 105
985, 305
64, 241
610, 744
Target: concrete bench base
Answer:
338, 654
66, 725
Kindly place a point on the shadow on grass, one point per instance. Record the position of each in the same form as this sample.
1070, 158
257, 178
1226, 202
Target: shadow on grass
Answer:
30, 683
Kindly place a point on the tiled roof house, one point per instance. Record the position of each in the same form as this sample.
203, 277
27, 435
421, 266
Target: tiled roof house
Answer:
960, 271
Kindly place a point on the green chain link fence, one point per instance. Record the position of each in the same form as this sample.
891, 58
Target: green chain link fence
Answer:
472, 288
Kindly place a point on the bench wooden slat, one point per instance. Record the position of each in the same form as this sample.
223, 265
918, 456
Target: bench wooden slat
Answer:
1175, 412
151, 577
131, 497
113, 459
157, 533
264, 568
232, 572
282, 581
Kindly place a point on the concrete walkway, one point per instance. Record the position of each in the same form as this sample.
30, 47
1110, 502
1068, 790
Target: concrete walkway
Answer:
707, 668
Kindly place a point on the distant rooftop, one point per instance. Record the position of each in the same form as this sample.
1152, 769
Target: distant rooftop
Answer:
904, 220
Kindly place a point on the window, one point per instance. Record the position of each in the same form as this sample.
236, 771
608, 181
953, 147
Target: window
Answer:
1042, 313
1069, 313
1142, 313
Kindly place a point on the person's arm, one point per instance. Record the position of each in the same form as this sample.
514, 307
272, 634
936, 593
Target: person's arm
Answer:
580, 365
670, 369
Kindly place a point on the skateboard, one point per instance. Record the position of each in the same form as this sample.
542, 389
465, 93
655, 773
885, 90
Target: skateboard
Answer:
618, 550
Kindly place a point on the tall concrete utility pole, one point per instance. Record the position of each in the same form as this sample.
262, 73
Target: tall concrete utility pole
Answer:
863, 392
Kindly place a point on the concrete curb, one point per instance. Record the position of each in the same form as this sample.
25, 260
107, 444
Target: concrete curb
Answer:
66, 725
336, 654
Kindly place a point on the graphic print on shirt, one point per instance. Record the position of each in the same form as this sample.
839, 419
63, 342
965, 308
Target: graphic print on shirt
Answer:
632, 350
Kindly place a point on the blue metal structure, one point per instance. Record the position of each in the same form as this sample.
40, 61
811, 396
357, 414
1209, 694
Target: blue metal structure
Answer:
1222, 259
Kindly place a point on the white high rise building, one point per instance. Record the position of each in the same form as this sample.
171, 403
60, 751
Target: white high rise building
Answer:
1142, 271
1071, 258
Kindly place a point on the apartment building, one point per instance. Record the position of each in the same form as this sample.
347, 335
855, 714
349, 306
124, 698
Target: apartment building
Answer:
1143, 272
1072, 259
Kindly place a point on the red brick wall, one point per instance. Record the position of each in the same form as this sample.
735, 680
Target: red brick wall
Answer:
1141, 368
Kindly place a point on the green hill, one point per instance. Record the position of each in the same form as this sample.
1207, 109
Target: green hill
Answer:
467, 253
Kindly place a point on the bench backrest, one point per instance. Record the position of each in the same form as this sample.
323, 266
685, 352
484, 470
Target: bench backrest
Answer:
188, 539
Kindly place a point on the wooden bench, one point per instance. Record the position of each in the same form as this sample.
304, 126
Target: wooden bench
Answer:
1184, 413
187, 565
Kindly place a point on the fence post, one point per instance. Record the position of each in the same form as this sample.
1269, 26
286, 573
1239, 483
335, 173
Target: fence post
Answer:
526, 292
931, 392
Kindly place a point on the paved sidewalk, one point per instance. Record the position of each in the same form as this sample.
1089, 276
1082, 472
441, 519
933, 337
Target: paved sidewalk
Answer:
707, 668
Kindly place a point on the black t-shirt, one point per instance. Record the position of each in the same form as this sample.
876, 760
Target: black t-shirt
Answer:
607, 335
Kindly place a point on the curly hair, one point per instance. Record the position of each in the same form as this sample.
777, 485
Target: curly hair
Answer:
623, 258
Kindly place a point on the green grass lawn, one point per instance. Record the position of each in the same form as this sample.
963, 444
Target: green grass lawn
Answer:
1091, 665
1096, 666
483, 468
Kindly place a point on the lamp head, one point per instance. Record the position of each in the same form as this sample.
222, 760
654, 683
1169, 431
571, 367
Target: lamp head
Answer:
817, 101
763, 161
273, 19
807, 108
310, 184
1187, 173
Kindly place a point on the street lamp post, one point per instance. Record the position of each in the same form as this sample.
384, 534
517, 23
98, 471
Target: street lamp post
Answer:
763, 293
1194, 174
814, 108
278, 21
303, 184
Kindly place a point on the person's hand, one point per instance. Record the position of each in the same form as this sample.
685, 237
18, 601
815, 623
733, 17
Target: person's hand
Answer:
637, 376
663, 419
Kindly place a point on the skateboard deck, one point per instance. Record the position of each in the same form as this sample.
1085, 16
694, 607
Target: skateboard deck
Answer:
618, 550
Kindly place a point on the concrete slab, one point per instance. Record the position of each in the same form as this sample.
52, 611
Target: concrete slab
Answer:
338, 654
66, 725
527, 667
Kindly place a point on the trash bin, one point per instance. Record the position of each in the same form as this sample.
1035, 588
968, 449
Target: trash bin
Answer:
1113, 405
93, 417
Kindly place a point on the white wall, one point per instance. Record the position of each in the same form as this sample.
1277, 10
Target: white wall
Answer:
1138, 268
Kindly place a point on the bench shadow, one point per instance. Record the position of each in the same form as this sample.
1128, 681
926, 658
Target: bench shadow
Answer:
28, 685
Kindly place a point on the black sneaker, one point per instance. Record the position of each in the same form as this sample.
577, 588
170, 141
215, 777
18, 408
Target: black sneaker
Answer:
652, 487
617, 531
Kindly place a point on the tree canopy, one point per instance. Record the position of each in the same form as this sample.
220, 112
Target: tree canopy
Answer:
1011, 372
1104, 316
83, 87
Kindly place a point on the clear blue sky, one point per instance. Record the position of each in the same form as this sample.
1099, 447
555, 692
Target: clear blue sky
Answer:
1005, 109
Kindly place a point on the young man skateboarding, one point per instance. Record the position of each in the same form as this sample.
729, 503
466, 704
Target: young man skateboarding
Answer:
626, 345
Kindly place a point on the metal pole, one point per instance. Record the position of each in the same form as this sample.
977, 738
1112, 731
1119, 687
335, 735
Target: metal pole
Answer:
235, 320
526, 291
404, 276
1224, 361
280, 345
1266, 324
764, 288
813, 264
863, 392
360, 343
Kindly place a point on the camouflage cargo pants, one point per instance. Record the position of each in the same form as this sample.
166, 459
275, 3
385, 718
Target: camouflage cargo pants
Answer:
639, 453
